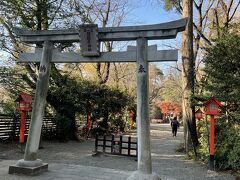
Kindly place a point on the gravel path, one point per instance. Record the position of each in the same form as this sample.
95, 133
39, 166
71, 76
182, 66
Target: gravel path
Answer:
74, 160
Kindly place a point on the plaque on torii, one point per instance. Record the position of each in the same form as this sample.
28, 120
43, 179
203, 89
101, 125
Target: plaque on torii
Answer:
89, 44
90, 36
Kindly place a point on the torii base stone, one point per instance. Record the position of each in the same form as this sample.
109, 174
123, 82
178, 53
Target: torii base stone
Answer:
140, 176
28, 167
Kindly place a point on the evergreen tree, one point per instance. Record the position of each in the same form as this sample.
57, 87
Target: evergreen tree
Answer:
222, 68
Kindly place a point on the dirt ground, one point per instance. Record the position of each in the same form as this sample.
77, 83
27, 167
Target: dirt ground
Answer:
166, 162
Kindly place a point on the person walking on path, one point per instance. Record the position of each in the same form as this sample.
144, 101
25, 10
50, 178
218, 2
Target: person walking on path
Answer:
174, 125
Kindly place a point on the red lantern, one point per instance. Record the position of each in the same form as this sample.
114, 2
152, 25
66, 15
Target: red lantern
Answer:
23, 104
199, 114
211, 106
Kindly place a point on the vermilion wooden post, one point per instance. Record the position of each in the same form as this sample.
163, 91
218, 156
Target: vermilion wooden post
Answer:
22, 127
24, 101
89, 121
211, 108
211, 159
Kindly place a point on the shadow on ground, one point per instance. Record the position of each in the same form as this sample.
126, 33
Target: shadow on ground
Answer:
74, 160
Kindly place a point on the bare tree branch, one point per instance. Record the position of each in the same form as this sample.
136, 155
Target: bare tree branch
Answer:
234, 11
202, 35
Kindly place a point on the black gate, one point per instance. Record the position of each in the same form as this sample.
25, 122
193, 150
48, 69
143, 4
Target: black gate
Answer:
120, 145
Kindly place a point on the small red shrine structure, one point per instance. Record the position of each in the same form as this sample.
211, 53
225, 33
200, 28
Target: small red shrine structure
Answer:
24, 102
211, 106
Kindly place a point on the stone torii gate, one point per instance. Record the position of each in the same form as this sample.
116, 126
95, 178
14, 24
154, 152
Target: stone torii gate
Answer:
90, 36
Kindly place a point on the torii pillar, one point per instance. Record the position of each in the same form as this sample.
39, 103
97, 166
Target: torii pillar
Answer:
143, 129
144, 171
30, 165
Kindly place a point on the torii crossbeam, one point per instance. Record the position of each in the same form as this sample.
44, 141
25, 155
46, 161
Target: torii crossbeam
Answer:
130, 55
89, 37
167, 30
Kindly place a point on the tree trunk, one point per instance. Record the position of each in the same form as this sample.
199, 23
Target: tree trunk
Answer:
188, 77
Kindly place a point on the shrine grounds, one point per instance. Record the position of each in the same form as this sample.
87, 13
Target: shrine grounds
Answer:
74, 161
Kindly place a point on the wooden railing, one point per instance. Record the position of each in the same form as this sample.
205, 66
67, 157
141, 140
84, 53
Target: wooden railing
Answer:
121, 145
9, 128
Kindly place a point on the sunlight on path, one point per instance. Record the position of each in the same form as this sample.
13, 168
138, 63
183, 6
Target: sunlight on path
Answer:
170, 164
74, 161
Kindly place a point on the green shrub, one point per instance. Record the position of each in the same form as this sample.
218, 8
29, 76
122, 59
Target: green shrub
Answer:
203, 134
227, 146
117, 123
98, 130
63, 127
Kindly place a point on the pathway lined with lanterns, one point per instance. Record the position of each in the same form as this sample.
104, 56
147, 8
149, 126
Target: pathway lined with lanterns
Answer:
74, 160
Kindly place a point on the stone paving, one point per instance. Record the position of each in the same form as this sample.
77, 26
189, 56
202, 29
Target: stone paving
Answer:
74, 161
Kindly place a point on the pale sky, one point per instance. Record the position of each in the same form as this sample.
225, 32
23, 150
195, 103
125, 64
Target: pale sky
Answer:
153, 13
148, 12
